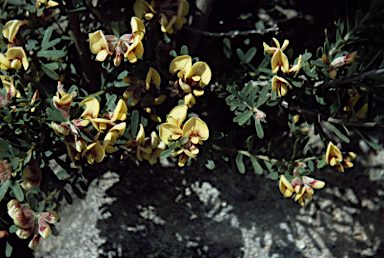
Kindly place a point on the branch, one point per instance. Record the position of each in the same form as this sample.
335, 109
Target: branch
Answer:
331, 119
232, 33
357, 77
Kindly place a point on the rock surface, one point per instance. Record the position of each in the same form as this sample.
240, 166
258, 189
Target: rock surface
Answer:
195, 212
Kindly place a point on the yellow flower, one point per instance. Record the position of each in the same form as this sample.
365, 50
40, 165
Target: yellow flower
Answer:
14, 58
285, 186
99, 45
137, 86
279, 84
46, 3
333, 155
152, 77
94, 152
192, 78
142, 8
92, 108
61, 130
296, 68
183, 138
10, 30
279, 59
170, 19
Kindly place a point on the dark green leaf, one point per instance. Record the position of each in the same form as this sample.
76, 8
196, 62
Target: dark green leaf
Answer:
134, 122
67, 196
259, 129
184, 50
51, 54
54, 230
8, 249
311, 165
173, 53
318, 63
352, 69
120, 84
260, 25
246, 116
55, 115
13, 229
115, 29
256, 165
367, 140
322, 163
296, 148
263, 97
47, 36
110, 105
31, 199
52, 74
338, 133
306, 56
210, 164
77, 191
250, 54
241, 55
51, 43
4, 188
166, 153
17, 191
227, 48
240, 163
250, 140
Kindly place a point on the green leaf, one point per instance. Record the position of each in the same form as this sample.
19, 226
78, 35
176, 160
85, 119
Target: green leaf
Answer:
240, 163
306, 56
4, 188
110, 105
318, 63
210, 164
296, 148
180, 102
115, 29
260, 25
17, 191
55, 115
184, 50
256, 166
311, 165
259, 129
352, 69
120, 84
134, 122
241, 55
250, 140
338, 133
246, 116
54, 230
367, 139
31, 199
322, 163
51, 43
13, 229
52, 74
51, 54
173, 53
263, 97
8, 249
67, 196
166, 153
77, 191
227, 48
47, 36
250, 54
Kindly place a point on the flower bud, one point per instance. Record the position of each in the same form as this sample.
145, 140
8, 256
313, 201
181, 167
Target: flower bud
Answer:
349, 58
24, 233
34, 242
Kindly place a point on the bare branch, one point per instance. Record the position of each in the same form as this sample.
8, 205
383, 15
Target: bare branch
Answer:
232, 33
357, 77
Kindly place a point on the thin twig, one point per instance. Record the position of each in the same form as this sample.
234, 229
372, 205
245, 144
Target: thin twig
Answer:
232, 33
331, 119
357, 77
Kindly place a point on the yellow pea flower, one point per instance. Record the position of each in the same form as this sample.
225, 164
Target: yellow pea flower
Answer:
285, 186
94, 152
10, 30
92, 108
5, 63
333, 155
152, 77
17, 58
142, 8
196, 130
279, 84
279, 59
99, 45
